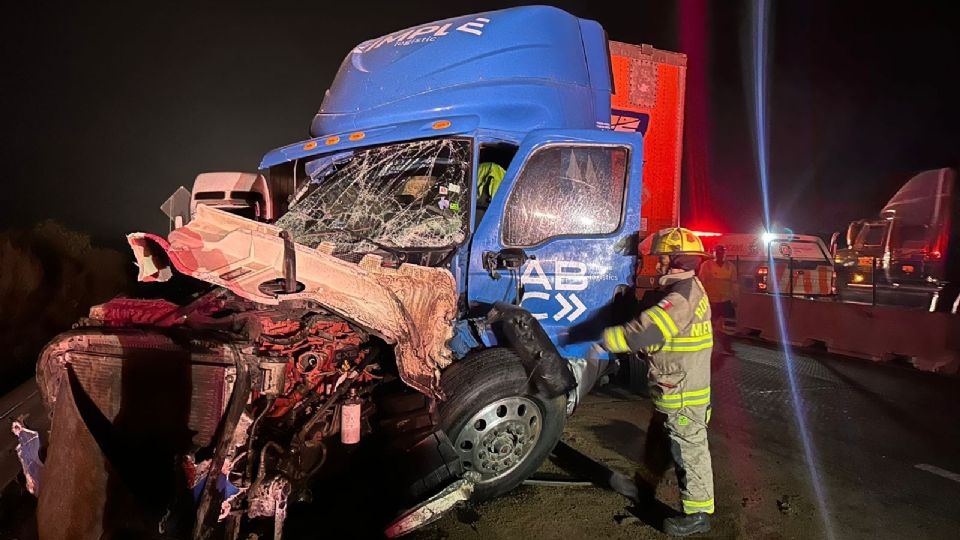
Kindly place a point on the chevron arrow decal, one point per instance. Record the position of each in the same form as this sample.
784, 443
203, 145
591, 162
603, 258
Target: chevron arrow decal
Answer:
571, 310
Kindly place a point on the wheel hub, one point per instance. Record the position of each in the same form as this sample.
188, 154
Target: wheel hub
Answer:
499, 437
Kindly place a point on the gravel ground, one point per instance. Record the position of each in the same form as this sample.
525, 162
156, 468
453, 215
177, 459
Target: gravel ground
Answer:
868, 431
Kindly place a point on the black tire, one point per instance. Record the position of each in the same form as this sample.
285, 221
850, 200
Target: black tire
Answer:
496, 376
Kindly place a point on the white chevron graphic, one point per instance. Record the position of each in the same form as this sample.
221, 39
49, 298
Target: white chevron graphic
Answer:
564, 309
571, 310
580, 308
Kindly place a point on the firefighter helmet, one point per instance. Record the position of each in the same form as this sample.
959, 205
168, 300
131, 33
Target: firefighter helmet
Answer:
676, 241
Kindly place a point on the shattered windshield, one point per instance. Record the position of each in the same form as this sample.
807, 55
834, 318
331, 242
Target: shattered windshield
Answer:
409, 195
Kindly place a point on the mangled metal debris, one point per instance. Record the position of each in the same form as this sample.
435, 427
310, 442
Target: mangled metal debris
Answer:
434, 507
28, 452
411, 307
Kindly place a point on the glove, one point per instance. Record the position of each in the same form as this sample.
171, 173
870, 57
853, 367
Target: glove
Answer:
615, 340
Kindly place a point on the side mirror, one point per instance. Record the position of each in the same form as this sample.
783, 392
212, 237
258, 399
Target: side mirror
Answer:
511, 259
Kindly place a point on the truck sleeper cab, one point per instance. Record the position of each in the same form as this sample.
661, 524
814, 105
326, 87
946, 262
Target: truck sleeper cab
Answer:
905, 256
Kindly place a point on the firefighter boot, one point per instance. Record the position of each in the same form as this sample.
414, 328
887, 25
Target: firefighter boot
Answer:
687, 524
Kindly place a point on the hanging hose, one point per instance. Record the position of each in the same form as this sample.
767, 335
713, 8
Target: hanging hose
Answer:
209, 507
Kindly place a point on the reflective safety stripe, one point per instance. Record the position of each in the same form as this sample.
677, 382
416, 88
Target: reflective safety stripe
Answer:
684, 399
690, 394
696, 339
692, 507
687, 347
692, 402
665, 318
668, 404
681, 404
688, 344
616, 340
621, 339
660, 324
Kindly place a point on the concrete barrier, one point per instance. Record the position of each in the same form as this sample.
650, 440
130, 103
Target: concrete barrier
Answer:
929, 341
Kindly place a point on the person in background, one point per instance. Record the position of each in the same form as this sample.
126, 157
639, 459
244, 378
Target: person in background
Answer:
719, 277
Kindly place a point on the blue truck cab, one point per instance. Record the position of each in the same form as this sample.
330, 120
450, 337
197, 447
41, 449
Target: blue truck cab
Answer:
527, 89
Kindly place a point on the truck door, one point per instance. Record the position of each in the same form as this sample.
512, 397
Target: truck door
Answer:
568, 209
872, 250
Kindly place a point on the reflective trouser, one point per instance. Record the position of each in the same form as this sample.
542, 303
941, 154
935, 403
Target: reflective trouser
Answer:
683, 400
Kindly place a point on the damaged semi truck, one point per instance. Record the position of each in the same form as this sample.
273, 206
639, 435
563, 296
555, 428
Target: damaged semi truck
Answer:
366, 282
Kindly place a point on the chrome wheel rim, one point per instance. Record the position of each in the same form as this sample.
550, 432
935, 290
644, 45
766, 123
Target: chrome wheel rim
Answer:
499, 437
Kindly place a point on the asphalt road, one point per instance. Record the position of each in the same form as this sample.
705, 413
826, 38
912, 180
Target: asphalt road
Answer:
884, 447
882, 458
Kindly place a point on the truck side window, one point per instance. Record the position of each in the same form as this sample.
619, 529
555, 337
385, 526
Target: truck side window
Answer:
566, 190
873, 235
910, 236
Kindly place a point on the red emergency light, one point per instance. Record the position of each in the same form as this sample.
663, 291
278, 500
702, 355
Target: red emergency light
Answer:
761, 278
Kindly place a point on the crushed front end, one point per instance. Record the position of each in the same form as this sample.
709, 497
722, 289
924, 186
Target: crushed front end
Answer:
195, 418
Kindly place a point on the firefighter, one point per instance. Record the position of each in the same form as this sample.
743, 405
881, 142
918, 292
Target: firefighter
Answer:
676, 336
489, 177
719, 277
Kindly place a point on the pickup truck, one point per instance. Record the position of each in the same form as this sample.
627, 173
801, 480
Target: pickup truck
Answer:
801, 264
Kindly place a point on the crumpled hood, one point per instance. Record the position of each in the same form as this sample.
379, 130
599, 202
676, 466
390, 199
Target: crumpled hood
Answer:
411, 307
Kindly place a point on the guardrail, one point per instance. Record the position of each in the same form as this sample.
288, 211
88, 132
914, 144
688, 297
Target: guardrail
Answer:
928, 341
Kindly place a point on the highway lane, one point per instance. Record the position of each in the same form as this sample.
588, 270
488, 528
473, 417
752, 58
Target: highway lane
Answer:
885, 445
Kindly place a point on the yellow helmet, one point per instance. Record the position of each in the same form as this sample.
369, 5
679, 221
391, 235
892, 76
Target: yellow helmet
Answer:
676, 241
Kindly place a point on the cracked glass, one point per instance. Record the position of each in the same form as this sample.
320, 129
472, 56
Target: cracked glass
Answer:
398, 196
566, 190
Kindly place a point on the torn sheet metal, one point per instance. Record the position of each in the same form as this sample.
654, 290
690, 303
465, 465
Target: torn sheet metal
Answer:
435, 507
28, 452
411, 307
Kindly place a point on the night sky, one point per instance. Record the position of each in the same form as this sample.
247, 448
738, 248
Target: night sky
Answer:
107, 109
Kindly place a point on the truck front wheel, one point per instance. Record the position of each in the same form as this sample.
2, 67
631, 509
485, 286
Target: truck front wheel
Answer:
500, 427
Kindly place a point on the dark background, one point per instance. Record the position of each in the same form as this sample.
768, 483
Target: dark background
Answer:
107, 108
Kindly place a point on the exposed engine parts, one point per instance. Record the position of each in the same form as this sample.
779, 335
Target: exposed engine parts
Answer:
286, 382
314, 354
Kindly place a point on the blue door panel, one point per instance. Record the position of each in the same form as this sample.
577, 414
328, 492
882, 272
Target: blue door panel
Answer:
571, 277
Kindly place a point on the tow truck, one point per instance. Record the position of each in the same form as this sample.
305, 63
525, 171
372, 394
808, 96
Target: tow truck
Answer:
359, 283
